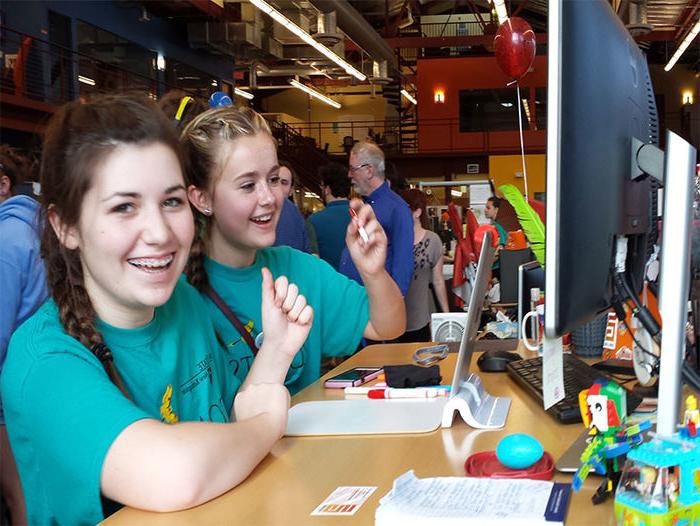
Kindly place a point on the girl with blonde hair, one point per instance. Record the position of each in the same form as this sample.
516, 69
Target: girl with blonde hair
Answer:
234, 183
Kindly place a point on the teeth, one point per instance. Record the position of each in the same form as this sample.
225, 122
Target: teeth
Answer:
152, 262
262, 218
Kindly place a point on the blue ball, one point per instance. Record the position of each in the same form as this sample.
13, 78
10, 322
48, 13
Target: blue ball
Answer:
519, 451
219, 99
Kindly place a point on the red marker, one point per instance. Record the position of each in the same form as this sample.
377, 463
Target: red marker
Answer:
418, 392
363, 232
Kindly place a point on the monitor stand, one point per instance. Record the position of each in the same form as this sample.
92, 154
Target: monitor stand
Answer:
679, 171
477, 408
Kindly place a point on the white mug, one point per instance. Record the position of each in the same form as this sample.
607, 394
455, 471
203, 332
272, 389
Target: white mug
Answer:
539, 331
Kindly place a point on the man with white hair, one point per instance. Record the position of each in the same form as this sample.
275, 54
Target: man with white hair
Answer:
366, 171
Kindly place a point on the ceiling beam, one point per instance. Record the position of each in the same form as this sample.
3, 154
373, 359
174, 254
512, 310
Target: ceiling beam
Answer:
687, 20
208, 7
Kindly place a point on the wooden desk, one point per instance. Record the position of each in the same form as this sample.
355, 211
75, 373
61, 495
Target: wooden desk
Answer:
301, 472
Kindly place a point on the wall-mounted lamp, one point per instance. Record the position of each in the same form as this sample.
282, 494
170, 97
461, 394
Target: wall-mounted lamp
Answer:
160, 62
688, 97
439, 96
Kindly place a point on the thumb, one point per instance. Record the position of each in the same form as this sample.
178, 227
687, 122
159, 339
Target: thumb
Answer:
268, 289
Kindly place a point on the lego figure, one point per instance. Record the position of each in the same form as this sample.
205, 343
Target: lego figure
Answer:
604, 409
691, 418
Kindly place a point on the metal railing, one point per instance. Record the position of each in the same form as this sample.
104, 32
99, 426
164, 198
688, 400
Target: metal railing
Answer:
400, 137
449, 29
47, 72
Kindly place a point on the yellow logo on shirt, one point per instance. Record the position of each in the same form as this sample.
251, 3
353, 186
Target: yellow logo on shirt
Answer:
166, 410
248, 327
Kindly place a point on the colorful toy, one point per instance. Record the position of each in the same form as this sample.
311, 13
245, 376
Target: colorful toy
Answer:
604, 410
691, 417
660, 483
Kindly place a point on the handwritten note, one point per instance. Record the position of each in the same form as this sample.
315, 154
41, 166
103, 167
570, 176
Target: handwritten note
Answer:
414, 500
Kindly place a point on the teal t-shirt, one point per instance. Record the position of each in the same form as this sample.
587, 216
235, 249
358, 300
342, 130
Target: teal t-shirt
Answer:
63, 413
341, 309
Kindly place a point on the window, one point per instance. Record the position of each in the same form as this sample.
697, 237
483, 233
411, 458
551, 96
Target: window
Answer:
495, 110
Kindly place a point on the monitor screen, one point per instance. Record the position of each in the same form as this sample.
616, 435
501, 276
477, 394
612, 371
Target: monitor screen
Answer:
600, 97
530, 275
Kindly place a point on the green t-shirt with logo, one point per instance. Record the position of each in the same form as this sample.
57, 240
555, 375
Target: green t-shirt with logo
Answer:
341, 309
63, 413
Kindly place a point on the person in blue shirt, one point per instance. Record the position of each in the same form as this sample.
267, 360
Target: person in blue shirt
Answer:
23, 286
291, 228
117, 390
330, 223
234, 183
366, 171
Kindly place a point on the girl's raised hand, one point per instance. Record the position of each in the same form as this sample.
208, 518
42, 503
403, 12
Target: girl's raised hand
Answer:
369, 256
286, 316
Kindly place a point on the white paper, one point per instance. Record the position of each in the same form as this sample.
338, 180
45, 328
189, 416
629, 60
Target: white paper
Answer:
344, 500
454, 499
552, 371
479, 194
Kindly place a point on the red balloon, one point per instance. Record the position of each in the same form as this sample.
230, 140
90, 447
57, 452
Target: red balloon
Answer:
515, 47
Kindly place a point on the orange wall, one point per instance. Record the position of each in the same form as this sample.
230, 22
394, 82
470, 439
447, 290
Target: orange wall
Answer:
454, 74
503, 169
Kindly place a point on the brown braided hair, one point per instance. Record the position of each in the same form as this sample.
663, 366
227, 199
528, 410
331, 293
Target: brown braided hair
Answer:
201, 141
78, 137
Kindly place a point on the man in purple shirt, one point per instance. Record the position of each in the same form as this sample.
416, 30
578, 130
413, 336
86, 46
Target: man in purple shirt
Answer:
366, 171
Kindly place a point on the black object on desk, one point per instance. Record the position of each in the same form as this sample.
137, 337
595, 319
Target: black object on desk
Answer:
578, 376
510, 263
496, 361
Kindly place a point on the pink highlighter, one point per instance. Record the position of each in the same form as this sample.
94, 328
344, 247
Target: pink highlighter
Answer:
363, 232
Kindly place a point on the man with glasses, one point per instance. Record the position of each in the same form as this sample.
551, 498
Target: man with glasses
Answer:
366, 171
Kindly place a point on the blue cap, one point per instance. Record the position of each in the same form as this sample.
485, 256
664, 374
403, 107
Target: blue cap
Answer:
219, 99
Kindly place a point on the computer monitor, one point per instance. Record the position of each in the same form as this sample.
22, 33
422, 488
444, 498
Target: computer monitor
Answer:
600, 100
601, 122
530, 275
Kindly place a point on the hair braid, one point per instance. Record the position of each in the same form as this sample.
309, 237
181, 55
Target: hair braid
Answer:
195, 272
75, 309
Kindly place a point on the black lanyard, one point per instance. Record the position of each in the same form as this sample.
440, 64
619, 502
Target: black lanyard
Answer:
230, 316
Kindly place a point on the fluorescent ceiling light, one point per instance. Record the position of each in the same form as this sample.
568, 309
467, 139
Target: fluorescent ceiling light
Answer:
86, 80
684, 45
291, 26
314, 93
408, 96
455, 193
241, 93
501, 12
507, 104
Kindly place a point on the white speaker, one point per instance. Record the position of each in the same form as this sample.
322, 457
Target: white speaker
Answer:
447, 326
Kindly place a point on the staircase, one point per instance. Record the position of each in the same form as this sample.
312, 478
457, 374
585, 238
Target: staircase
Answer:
408, 125
301, 152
